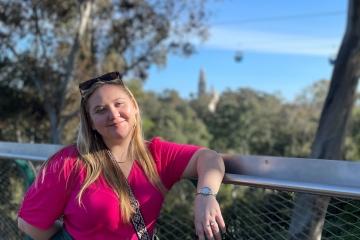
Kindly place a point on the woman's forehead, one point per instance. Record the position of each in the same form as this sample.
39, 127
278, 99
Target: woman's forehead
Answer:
108, 92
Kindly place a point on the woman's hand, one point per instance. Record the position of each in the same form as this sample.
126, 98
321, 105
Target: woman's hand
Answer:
208, 219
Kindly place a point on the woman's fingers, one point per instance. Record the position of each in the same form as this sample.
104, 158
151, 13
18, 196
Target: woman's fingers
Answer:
221, 222
209, 222
208, 230
199, 230
215, 230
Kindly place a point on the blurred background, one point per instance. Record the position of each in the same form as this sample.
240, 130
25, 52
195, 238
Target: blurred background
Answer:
238, 76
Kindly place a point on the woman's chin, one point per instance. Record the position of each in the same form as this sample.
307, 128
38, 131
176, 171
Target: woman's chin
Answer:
120, 135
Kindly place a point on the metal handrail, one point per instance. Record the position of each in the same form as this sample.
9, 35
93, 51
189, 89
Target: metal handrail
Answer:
315, 176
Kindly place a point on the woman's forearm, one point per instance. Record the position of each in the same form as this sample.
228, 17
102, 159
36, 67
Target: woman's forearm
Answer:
210, 170
36, 233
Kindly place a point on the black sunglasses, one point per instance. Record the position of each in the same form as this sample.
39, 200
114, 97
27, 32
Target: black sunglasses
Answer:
111, 76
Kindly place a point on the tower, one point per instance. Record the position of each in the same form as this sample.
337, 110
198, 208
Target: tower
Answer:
202, 84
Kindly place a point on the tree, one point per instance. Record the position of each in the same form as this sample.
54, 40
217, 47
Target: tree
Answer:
307, 223
176, 121
16, 119
48, 46
244, 122
299, 120
352, 143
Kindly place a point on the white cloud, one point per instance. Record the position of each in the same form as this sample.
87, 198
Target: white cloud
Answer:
226, 38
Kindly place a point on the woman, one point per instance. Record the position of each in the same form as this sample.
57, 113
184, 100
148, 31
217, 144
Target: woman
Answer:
101, 187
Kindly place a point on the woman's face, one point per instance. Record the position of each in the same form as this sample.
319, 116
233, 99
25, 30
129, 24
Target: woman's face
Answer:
112, 113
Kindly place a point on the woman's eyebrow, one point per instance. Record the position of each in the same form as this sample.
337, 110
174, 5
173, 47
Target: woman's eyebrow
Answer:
119, 98
101, 105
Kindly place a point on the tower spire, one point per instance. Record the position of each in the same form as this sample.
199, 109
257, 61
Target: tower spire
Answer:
202, 83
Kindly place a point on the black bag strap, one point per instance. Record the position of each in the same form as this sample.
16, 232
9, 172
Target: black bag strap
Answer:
137, 219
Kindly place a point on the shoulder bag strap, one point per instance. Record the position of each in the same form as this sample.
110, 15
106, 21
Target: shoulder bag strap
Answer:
137, 219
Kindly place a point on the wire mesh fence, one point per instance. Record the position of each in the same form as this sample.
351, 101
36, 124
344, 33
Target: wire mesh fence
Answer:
249, 213
12, 188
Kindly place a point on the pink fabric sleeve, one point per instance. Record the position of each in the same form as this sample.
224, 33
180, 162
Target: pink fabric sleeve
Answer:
46, 198
171, 159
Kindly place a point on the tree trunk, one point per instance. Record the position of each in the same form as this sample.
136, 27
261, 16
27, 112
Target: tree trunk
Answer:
54, 125
309, 212
58, 120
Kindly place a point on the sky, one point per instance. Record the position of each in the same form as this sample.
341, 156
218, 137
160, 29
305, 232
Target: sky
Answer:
285, 45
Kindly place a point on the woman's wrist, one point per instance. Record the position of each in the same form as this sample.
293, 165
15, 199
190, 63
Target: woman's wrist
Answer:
205, 191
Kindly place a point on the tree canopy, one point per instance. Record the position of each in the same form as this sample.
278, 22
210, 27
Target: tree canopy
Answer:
47, 47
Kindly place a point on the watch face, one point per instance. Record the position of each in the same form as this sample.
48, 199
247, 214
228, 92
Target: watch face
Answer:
205, 190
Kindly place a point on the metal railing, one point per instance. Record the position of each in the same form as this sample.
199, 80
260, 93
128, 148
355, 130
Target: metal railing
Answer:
257, 199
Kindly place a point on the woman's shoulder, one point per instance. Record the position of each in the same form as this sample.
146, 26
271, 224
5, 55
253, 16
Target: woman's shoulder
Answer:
168, 149
154, 144
61, 166
65, 158
68, 152
158, 143
155, 140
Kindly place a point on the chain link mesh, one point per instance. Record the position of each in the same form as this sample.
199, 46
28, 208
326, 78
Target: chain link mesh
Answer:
261, 214
249, 213
12, 188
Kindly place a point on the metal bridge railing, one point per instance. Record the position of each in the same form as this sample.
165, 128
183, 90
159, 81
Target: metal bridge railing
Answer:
258, 196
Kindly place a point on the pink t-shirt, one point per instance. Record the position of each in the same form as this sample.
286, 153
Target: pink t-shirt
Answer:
98, 217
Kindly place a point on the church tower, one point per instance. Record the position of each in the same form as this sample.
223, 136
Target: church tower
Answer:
211, 98
202, 84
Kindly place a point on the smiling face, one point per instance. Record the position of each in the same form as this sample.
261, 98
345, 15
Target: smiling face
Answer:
112, 113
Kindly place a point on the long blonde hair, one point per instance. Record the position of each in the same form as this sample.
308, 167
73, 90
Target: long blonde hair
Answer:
97, 160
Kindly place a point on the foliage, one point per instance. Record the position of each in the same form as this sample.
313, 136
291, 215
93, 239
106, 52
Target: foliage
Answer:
47, 47
12, 187
245, 122
352, 150
19, 111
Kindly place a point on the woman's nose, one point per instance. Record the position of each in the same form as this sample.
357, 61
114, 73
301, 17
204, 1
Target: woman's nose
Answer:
113, 113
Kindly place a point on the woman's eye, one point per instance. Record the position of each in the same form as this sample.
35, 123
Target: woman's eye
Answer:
118, 104
99, 110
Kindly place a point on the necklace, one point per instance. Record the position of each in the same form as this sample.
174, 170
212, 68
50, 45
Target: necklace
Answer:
113, 158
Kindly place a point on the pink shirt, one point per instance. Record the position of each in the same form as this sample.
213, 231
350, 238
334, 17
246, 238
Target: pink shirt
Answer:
98, 217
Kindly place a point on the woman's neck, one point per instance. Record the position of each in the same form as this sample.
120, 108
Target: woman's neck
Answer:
120, 150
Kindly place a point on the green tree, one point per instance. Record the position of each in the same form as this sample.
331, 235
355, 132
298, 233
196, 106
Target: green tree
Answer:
175, 120
201, 106
352, 141
244, 122
47, 47
19, 111
299, 120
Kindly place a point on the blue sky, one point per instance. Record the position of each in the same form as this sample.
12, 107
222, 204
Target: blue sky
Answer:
285, 44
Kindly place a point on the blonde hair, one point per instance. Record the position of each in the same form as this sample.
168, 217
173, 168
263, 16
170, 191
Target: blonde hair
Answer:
95, 155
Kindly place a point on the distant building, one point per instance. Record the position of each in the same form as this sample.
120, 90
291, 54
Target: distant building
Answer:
202, 84
211, 97
214, 99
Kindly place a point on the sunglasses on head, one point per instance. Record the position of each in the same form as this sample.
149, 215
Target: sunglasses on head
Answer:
111, 76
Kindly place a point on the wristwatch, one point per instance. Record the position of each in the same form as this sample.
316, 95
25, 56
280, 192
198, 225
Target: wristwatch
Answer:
206, 191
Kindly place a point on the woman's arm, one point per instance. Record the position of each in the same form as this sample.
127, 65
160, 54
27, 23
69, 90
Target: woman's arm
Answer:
208, 166
37, 233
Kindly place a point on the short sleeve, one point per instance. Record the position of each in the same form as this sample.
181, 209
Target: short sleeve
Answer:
171, 159
45, 200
